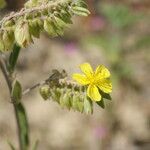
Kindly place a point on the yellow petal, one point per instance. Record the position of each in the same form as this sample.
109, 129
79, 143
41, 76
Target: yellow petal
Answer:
93, 93
105, 85
86, 69
81, 79
102, 71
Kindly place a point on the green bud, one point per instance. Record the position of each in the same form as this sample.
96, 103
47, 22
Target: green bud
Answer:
65, 100
50, 27
81, 3
40, 23
56, 94
60, 22
45, 92
75, 99
81, 11
65, 16
88, 106
77, 102
22, 34
8, 38
34, 28
80, 104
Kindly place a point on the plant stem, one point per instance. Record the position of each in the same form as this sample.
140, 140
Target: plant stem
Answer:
20, 113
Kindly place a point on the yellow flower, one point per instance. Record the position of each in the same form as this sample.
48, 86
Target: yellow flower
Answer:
96, 80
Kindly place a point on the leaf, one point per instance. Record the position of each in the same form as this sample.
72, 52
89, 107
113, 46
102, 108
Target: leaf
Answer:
101, 103
16, 92
105, 95
11, 145
35, 146
23, 125
13, 58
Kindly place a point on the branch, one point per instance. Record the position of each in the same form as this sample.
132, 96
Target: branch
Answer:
55, 76
24, 11
5, 73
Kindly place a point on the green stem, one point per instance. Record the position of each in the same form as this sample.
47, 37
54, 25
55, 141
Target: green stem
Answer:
20, 114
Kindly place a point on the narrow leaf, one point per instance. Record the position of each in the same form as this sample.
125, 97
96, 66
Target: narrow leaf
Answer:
23, 125
16, 92
11, 145
13, 58
35, 146
101, 103
106, 95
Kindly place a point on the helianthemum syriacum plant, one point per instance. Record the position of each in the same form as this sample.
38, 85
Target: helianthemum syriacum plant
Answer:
18, 30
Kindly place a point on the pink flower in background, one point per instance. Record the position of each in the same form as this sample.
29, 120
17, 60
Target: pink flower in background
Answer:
100, 132
70, 48
97, 23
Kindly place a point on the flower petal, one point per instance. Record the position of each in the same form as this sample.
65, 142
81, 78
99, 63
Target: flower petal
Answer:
86, 69
81, 79
102, 71
93, 93
105, 85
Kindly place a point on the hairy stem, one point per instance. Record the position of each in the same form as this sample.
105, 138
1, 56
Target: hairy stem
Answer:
20, 114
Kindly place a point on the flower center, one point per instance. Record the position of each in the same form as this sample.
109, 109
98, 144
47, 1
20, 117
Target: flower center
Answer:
92, 79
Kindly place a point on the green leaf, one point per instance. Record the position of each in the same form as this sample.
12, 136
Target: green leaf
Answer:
105, 95
16, 92
101, 103
11, 145
35, 146
13, 58
88, 106
23, 125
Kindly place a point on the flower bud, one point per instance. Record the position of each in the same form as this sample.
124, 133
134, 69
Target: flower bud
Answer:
34, 28
22, 34
49, 27
88, 106
65, 100
45, 92
8, 38
56, 94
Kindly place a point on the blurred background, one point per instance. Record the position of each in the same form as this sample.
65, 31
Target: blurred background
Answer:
116, 34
